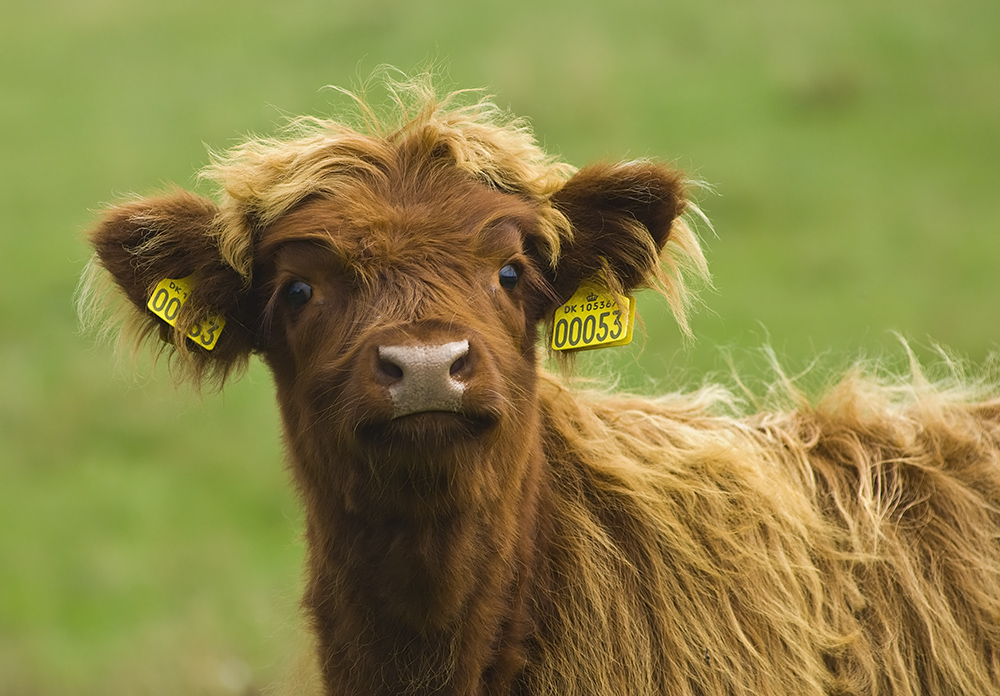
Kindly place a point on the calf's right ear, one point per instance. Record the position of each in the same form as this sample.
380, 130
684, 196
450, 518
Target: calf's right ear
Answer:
142, 243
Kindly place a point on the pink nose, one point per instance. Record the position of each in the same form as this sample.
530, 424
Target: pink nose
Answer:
424, 377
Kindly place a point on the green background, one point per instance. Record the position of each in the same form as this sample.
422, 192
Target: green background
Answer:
149, 541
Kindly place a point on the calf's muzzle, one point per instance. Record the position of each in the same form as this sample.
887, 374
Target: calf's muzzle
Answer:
424, 377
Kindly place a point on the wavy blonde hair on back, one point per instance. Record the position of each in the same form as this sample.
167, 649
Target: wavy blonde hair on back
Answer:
846, 547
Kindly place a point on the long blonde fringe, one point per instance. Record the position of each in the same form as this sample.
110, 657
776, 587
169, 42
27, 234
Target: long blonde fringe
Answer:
264, 178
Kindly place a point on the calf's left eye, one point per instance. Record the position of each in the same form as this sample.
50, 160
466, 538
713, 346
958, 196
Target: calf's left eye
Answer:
298, 294
509, 277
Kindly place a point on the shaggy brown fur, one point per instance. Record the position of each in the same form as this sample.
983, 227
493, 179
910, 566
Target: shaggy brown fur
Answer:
538, 540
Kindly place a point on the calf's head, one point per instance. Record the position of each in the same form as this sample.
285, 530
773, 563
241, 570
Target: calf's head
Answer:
394, 283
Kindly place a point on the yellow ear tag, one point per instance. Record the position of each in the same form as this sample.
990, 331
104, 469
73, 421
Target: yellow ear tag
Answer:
593, 318
166, 301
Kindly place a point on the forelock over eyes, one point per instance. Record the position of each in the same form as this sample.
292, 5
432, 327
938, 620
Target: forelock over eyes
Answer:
264, 178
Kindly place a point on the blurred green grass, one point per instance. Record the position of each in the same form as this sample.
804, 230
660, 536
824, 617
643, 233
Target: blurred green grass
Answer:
149, 540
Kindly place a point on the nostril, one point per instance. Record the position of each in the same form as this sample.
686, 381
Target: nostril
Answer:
389, 369
458, 366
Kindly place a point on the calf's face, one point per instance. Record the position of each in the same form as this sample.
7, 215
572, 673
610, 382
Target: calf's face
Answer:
399, 322
398, 309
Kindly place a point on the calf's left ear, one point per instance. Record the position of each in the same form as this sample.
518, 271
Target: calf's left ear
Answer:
622, 216
139, 244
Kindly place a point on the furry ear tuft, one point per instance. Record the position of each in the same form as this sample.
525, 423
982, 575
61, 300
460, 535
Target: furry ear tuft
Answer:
627, 226
141, 243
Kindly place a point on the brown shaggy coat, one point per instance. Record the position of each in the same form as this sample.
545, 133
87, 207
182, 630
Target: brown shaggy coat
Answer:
497, 533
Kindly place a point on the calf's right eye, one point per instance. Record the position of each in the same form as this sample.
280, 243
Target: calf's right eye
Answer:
298, 293
509, 277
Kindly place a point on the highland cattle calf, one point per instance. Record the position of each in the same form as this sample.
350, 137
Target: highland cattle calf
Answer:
474, 526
